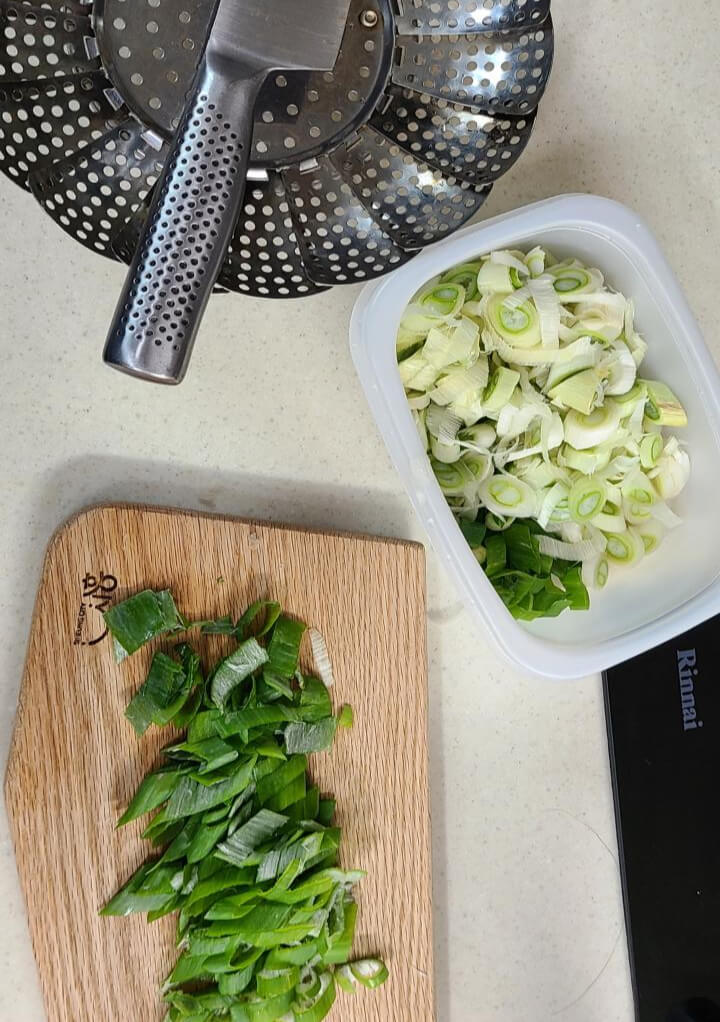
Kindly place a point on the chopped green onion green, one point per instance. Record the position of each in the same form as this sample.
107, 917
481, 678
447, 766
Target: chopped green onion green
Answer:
266, 919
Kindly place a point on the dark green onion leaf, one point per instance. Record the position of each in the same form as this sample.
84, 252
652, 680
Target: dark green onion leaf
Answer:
326, 811
189, 797
178, 847
258, 829
273, 783
221, 626
291, 794
314, 737
346, 717
314, 700
205, 725
233, 670
186, 714
308, 851
284, 647
276, 686
267, 1009
241, 722
213, 753
205, 840
318, 1008
141, 618
149, 889
474, 533
235, 982
161, 696
250, 858
154, 790
272, 610
340, 945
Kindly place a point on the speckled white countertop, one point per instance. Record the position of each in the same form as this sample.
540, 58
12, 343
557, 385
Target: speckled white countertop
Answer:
271, 422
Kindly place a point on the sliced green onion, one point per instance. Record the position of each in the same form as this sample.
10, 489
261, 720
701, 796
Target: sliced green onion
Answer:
417, 373
626, 402
407, 343
554, 506
346, 716
466, 275
560, 371
369, 972
672, 472
515, 260
625, 548
651, 448
621, 370
316, 1009
273, 982
596, 572
519, 325
582, 392
494, 278
652, 534
610, 520
141, 618
570, 280
638, 498
452, 478
592, 460
505, 495
587, 498
163, 694
235, 669
662, 405
585, 431
262, 1009
479, 438
535, 261
451, 343
500, 389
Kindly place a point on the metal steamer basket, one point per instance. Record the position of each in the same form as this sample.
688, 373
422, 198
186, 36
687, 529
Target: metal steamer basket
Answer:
352, 171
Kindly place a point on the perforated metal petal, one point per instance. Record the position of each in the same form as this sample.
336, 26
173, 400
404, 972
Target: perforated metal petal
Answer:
476, 147
45, 120
340, 241
264, 257
416, 204
93, 191
37, 42
459, 17
125, 236
63, 6
152, 55
506, 72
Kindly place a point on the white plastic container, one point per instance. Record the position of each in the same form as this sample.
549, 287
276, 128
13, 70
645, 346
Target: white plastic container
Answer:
671, 590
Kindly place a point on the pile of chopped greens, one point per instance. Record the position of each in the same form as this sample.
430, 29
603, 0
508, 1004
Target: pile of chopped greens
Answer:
522, 376
249, 856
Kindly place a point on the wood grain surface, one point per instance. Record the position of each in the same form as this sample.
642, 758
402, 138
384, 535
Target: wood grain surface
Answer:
75, 760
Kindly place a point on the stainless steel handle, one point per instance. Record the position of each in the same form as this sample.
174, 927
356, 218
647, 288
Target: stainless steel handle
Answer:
188, 228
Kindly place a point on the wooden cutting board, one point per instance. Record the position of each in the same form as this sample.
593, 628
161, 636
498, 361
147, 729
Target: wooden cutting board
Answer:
75, 760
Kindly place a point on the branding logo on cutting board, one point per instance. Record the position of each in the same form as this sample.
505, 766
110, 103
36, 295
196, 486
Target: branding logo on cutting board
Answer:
96, 592
687, 674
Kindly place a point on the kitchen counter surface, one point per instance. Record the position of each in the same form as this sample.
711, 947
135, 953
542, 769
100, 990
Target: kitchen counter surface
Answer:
271, 422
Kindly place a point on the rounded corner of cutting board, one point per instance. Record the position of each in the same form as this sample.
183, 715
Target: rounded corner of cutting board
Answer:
78, 519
